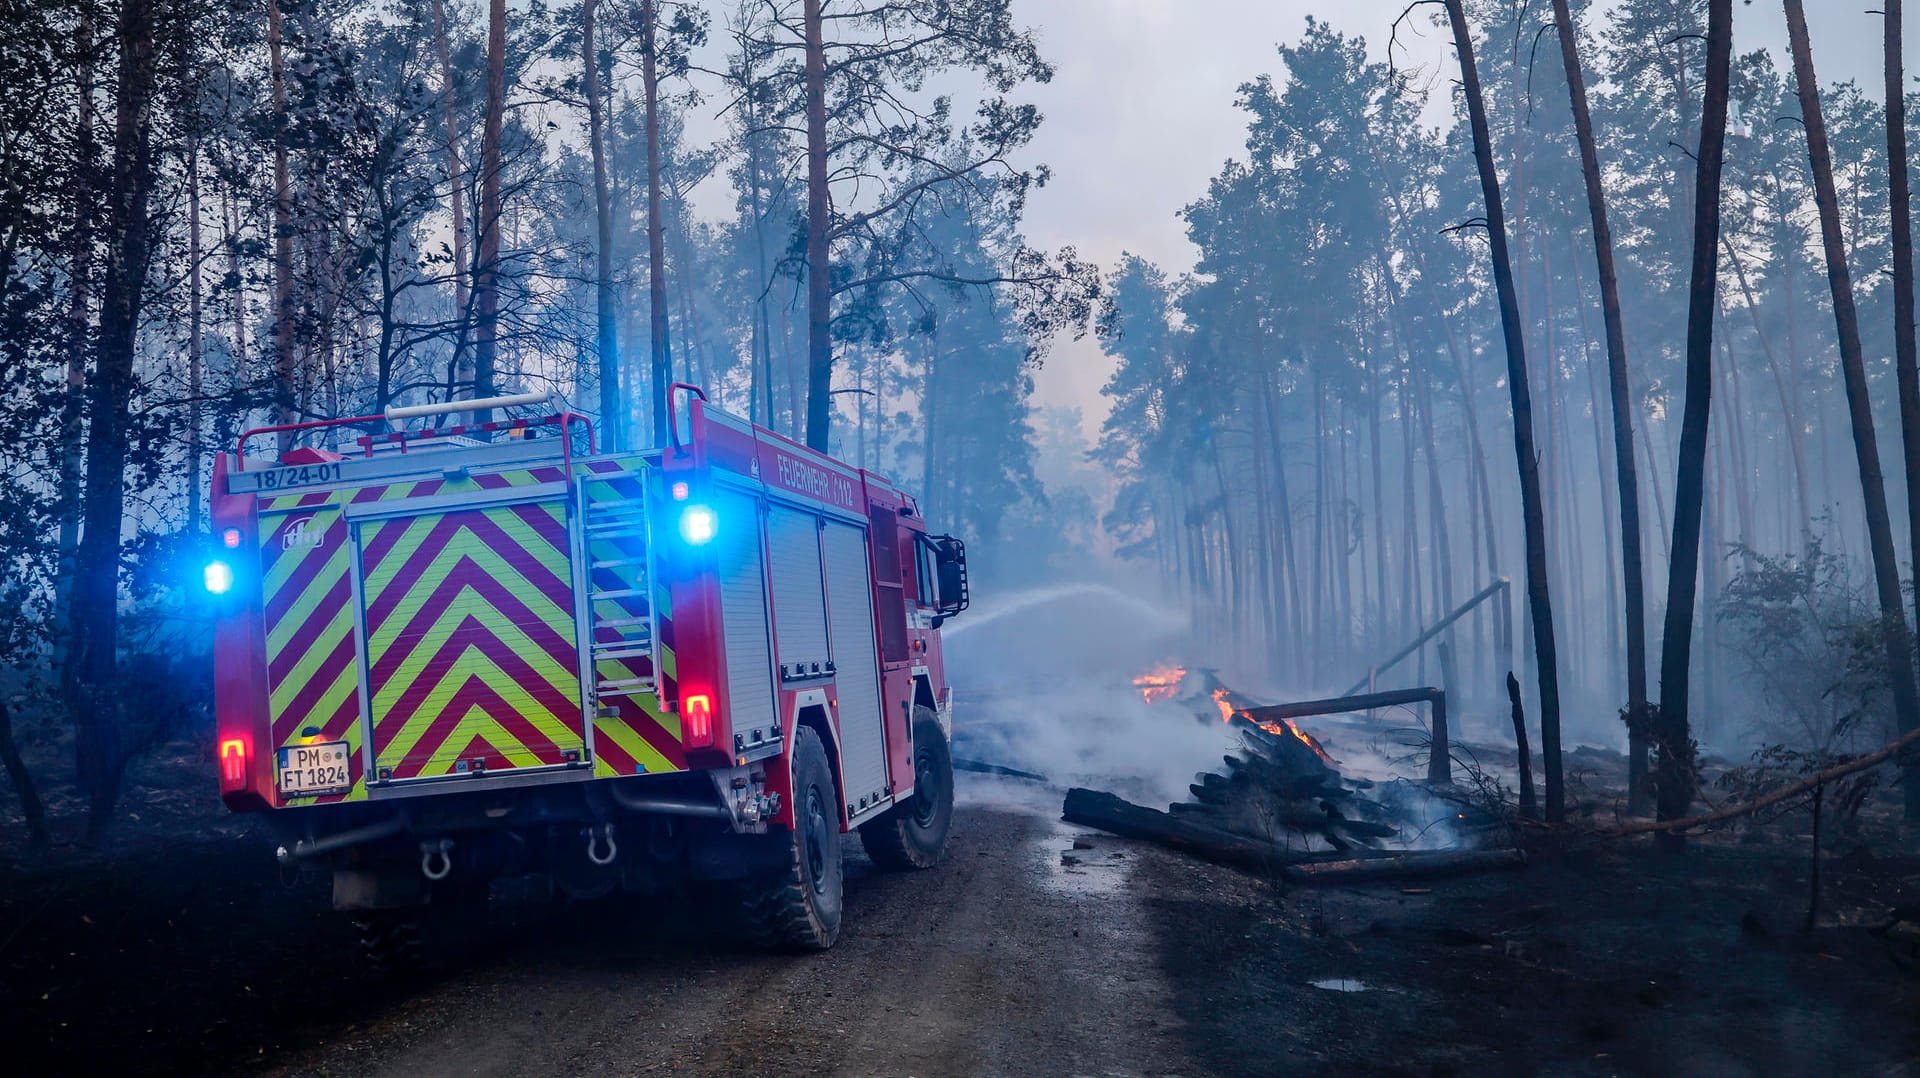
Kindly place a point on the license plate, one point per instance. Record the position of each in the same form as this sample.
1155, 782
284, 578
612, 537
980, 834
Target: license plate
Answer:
314, 769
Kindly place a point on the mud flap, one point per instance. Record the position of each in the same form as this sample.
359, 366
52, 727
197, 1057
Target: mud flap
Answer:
735, 857
378, 888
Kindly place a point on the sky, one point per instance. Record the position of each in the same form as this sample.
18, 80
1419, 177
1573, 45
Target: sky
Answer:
1139, 115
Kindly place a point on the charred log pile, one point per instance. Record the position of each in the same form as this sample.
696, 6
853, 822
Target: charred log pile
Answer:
1281, 800
1281, 788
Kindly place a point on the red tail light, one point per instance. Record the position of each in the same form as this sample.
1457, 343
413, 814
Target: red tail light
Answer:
233, 763
696, 713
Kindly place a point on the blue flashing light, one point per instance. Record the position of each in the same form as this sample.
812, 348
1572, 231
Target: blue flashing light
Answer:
698, 525
219, 577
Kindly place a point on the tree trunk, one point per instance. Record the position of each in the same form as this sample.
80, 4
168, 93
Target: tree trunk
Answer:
656, 237
1283, 511
79, 342
1379, 610
1479, 488
1675, 779
1906, 352
1319, 522
819, 290
1788, 412
285, 410
95, 614
607, 334
1886, 571
1436, 498
1622, 396
194, 342
237, 304
1539, 599
760, 371
461, 370
486, 281
31, 808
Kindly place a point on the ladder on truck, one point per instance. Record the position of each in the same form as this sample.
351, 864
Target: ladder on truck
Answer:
617, 589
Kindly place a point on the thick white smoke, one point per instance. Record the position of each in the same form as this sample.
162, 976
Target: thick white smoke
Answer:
1043, 682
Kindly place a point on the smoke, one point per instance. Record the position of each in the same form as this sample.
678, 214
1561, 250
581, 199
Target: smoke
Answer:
1043, 682
1083, 733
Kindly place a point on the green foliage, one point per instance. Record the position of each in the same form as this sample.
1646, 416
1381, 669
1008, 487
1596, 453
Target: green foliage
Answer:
1813, 644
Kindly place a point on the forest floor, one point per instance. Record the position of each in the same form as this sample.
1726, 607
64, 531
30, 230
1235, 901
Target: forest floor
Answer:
1036, 948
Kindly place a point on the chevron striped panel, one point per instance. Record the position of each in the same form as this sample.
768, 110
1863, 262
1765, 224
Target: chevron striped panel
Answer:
471, 639
312, 676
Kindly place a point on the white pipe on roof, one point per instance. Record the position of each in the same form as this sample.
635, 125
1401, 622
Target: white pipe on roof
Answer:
412, 411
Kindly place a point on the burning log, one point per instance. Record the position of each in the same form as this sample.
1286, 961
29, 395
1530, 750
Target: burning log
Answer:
1406, 866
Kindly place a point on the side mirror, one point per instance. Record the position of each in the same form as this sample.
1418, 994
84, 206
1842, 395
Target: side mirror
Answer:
950, 572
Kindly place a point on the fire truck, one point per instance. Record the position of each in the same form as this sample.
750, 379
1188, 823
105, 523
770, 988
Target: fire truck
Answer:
449, 653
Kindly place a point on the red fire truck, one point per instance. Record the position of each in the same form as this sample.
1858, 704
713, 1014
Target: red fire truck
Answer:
449, 654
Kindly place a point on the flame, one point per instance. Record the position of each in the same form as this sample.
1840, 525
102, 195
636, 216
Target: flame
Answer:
1276, 727
1160, 684
1226, 707
1305, 739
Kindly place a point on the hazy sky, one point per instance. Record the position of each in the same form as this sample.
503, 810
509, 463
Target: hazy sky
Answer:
1140, 113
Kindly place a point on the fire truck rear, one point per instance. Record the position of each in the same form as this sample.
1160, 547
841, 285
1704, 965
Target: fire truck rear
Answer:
455, 653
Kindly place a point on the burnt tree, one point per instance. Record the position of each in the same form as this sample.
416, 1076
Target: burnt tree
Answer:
1621, 391
1906, 353
1539, 598
1846, 318
1674, 740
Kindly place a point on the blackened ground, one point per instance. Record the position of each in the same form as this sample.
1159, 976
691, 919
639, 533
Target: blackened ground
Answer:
1604, 961
1035, 949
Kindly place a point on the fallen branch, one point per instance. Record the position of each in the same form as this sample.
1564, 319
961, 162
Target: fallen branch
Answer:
1406, 866
1838, 771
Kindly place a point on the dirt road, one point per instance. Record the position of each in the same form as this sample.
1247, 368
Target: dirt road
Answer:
1000, 961
1032, 951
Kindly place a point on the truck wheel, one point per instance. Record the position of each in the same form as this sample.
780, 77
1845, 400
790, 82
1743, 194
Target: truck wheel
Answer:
798, 908
913, 834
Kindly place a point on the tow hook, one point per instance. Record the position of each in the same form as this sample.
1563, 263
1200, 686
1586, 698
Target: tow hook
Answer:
594, 837
759, 806
436, 851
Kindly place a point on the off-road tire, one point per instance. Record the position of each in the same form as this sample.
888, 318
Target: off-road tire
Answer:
913, 834
798, 907
389, 942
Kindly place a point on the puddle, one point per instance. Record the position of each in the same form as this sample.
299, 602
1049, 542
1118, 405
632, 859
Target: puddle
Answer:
1342, 984
1073, 863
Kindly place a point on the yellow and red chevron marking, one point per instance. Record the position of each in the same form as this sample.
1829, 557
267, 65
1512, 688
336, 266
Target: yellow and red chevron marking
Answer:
471, 639
313, 674
631, 734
